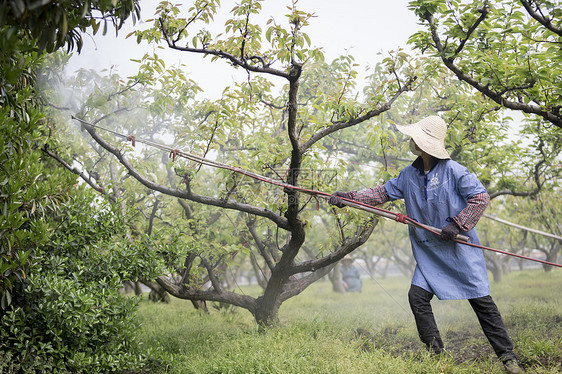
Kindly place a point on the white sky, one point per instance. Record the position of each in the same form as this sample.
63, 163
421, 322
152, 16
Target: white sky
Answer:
361, 28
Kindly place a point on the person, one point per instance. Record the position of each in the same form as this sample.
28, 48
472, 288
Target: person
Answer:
350, 275
440, 192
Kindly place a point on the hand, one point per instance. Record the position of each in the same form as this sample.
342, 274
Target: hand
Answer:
336, 198
450, 231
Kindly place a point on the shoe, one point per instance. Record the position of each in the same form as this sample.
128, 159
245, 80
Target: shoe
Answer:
512, 367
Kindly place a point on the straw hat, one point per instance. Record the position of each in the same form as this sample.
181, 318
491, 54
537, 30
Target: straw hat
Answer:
429, 135
347, 258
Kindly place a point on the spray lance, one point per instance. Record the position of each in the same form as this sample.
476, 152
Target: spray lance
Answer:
398, 217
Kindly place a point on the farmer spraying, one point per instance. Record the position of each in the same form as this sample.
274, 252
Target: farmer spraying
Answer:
440, 192
351, 278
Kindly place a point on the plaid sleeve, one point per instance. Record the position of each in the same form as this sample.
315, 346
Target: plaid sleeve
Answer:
469, 216
371, 196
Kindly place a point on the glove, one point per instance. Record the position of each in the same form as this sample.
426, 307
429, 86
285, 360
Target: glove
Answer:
450, 231
336, 198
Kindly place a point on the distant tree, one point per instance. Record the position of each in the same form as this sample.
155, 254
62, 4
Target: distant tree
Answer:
55, 24
540, 213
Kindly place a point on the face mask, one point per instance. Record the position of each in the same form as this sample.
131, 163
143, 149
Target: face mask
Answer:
413, 148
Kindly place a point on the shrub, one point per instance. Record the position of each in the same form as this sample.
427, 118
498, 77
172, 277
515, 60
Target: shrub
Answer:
70, 314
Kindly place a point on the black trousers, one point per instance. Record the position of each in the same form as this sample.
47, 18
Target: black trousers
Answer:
485, 309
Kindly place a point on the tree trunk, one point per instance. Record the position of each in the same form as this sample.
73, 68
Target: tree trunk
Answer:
336, 279
552, 255
157, 293
495, 265
497, 273
385, 269
266, 314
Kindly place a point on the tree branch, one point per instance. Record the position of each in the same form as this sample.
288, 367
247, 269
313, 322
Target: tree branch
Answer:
212, 276
296, 152
86, 178
296, 286
261, 246
347, 247
152, 215
340, 125
179, 291
242, 62
550, 116
539, 17
483, 13
206, 200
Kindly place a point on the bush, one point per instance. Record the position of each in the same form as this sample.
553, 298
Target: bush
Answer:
70, 314
60, 307
68, 325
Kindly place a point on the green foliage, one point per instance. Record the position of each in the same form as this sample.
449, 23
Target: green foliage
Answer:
24, 199
60, 308
241, 38
18, 70
52, 25
65, 327
70, 314
501, 49
27, 192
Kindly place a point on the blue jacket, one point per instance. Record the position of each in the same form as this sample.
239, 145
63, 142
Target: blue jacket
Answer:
447, 269
350, 275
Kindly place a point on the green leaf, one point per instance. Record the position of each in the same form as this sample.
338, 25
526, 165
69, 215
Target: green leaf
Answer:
6, 299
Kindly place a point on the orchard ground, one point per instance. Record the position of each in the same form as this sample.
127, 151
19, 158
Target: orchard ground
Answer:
324, 332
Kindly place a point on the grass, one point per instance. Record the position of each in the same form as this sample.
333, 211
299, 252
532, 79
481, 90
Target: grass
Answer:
318, 332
